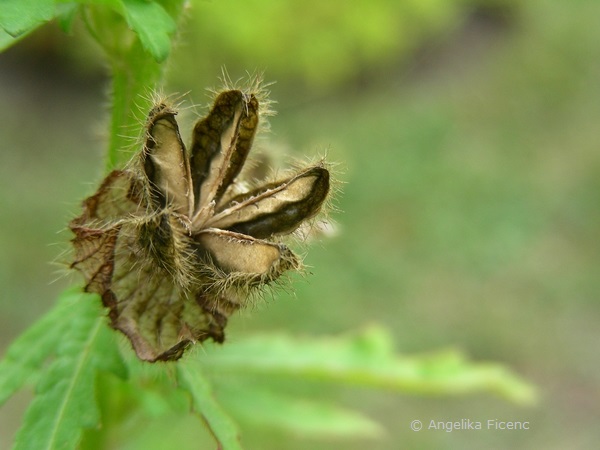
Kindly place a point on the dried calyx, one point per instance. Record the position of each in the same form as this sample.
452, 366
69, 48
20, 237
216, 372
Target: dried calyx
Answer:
172, 245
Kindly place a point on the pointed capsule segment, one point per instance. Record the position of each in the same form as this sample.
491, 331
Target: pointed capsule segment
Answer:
234, 252
221, 143
165, 162
276, 208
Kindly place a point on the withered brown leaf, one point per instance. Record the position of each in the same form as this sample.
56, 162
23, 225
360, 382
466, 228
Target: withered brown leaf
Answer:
171, 244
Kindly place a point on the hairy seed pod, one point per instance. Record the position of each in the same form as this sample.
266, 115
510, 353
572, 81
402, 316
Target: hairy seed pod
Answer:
171, 251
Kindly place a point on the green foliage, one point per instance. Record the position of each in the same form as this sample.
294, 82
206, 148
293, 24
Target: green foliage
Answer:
23, 360
148, 19
260, 405
153, 25
80, 347
136, 37
69, 353
75, 337
318, 43
19, 17
367, 360
224, 429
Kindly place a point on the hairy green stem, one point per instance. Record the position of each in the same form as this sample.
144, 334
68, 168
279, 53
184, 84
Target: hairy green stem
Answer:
134, 77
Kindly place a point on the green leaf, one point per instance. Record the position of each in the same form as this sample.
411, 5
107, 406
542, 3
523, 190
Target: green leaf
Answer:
135, 58
153, 26
365, 360
305, 417
65, 15
18, 17
28, 352
6, 40
152, 385
65, 402
222, 427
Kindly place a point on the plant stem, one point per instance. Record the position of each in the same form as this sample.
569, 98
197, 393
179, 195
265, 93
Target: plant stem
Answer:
134, 75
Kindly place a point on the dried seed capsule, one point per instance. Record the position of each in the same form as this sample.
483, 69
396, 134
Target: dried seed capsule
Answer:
165, 162
221, 143
168, 266
277, 208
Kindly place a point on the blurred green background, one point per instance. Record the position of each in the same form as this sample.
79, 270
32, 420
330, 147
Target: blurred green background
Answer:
467, 133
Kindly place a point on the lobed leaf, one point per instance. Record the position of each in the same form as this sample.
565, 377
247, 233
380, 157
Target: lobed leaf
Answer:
298, 415
222, 427
6, 40
28, 352
18, 17
65, 402
153, 25
367, 360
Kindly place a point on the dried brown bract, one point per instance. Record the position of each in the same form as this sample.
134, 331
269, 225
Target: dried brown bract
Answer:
171, 243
